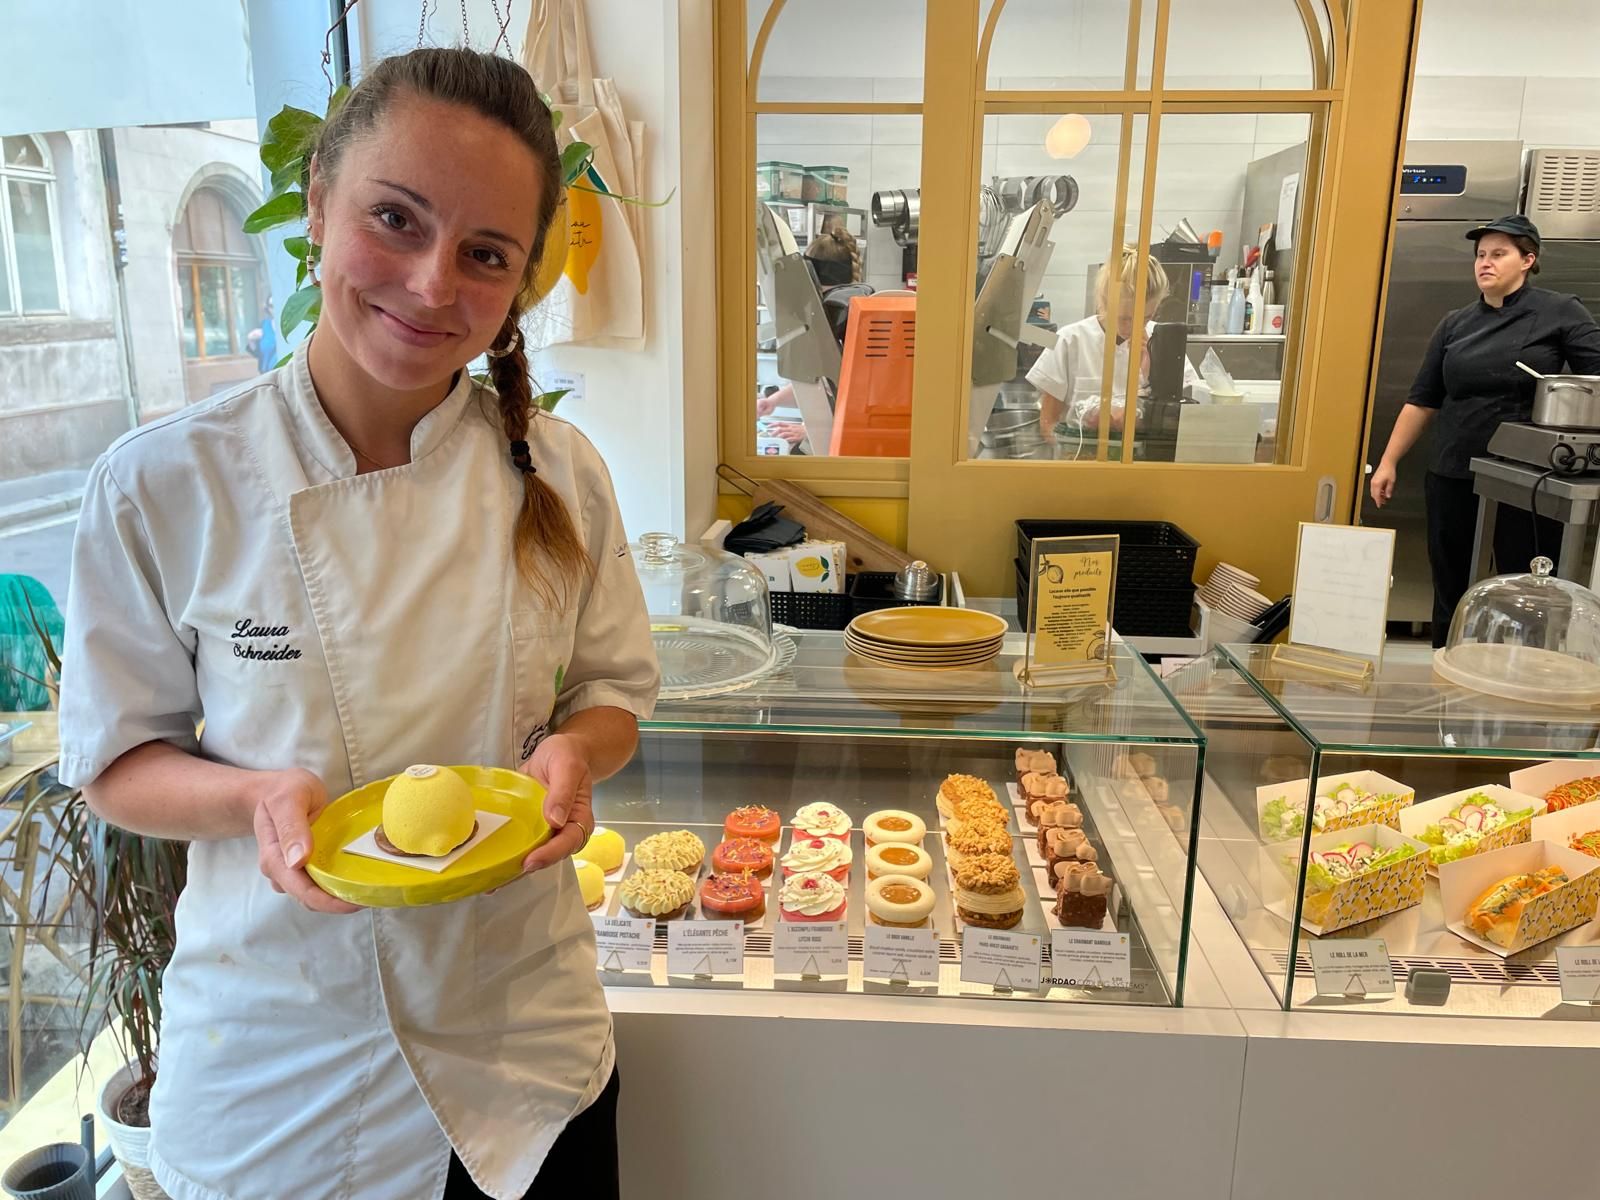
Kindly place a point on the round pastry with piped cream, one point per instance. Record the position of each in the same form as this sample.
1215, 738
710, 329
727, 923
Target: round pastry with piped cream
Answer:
899, 901
893, 825
898, 858
822, 820
675, 850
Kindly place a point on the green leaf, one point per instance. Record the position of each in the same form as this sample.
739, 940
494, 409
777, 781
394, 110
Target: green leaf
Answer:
298, 247
280, 210
289, 176
304, 305
548, 402
575, 159
289, 134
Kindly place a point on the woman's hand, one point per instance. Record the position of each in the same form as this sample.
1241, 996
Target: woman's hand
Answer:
1383, 483
561, 764
285, 804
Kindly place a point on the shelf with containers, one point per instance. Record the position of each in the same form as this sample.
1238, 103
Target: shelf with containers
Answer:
1424, 800
826, 734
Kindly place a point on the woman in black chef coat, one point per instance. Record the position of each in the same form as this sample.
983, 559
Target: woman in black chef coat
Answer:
1469, 381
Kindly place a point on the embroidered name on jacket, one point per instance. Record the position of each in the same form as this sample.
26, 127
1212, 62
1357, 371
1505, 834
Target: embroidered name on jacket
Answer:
275, 652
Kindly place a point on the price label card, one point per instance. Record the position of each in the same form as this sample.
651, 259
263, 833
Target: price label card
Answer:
1352, 967
705, 948
807, 948
908, 954
624, 943
1001, 958
1579, 968
1090, 958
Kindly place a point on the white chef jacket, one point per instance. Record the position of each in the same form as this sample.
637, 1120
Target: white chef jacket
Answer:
1072, 371
230, 564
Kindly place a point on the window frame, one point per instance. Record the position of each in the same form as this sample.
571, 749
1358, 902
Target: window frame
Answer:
46, 176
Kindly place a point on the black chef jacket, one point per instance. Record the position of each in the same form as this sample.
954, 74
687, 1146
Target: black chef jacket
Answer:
1470, 370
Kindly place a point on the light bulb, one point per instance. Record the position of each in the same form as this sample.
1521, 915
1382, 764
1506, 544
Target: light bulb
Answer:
1067, 136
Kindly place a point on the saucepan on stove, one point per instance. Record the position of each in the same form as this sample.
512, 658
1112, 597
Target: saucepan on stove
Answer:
1565, 401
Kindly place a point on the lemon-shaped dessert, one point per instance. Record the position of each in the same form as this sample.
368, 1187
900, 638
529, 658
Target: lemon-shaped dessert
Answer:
428, 810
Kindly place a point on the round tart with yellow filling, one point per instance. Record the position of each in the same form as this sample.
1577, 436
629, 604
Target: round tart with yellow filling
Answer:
899, 901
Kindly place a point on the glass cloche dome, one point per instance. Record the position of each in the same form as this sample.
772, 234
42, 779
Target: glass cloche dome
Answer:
1533, 637
710, 616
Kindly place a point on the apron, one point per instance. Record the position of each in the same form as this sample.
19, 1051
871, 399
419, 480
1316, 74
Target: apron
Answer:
353, 625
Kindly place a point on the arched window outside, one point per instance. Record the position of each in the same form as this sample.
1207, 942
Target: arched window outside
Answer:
30, 253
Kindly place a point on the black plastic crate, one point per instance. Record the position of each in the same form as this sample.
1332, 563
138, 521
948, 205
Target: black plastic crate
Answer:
811, 610
1152, 554
1135, 612
871, 590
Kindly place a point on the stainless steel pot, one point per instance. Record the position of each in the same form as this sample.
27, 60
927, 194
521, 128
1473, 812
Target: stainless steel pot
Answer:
1567, 401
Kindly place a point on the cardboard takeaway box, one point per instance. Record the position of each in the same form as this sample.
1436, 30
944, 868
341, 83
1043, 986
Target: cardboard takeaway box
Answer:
1463, 881
1363, 898
1419, 816
1382, 812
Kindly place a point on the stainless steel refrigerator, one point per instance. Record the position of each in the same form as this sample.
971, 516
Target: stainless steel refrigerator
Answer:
1446, 188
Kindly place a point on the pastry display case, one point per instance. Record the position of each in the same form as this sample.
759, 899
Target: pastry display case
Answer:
842, 827
1451, 825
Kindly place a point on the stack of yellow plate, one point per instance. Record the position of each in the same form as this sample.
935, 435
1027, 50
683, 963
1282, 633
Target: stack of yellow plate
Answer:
926, 638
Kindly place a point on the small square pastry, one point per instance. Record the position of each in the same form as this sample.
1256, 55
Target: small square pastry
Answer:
1038, 762
988, 891
958, 788
1038, 790
1057, 814
822, 820
1082, 896
898, 858
1067, 845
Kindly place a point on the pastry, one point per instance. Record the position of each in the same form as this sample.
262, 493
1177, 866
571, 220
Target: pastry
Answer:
753, 821
822, 820
591, 883
826, 854
975, 838
743, 854
1496, 914
1038, 790
957, 788
1457, 835
899, 901
605, 849
988, 891
898, 858
427, 811
1586, 843
664, 895
1038, 762
1573, 793
811, 896
892, 825
733, 897
1082, 896
1057, 814
677, 850
1067, 846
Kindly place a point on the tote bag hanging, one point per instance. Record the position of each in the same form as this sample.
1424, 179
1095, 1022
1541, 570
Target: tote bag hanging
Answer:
600, 294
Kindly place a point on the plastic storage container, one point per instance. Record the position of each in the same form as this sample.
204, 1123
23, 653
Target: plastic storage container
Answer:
710, 616
1152, 554
1534, 638
780, 181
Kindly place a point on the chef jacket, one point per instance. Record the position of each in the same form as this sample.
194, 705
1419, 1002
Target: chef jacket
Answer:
1469, 373
1072, 371
231, 564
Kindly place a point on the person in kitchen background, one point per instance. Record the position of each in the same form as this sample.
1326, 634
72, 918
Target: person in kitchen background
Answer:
1467, 385
1069, 375
400, 566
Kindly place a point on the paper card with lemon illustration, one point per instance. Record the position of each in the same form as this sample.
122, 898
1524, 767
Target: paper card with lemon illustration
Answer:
429, 835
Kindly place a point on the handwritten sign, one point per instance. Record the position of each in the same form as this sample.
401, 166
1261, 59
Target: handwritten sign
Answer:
1069, 606
1341, 588
1352, 967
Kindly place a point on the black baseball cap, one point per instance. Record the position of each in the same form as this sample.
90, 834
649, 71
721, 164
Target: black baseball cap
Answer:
1516, 225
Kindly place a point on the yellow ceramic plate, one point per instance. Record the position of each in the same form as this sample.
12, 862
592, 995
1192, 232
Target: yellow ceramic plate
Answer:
928, 626
495, 861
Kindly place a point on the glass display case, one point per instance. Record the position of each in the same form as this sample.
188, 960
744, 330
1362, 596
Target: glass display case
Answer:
859, 756
1405, 809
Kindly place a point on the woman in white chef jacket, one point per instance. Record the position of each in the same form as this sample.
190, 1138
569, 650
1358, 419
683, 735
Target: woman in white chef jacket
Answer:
1069, 374
359, 561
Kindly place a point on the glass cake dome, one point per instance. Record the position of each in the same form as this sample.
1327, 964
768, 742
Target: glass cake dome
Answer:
1529, 637
710, 616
